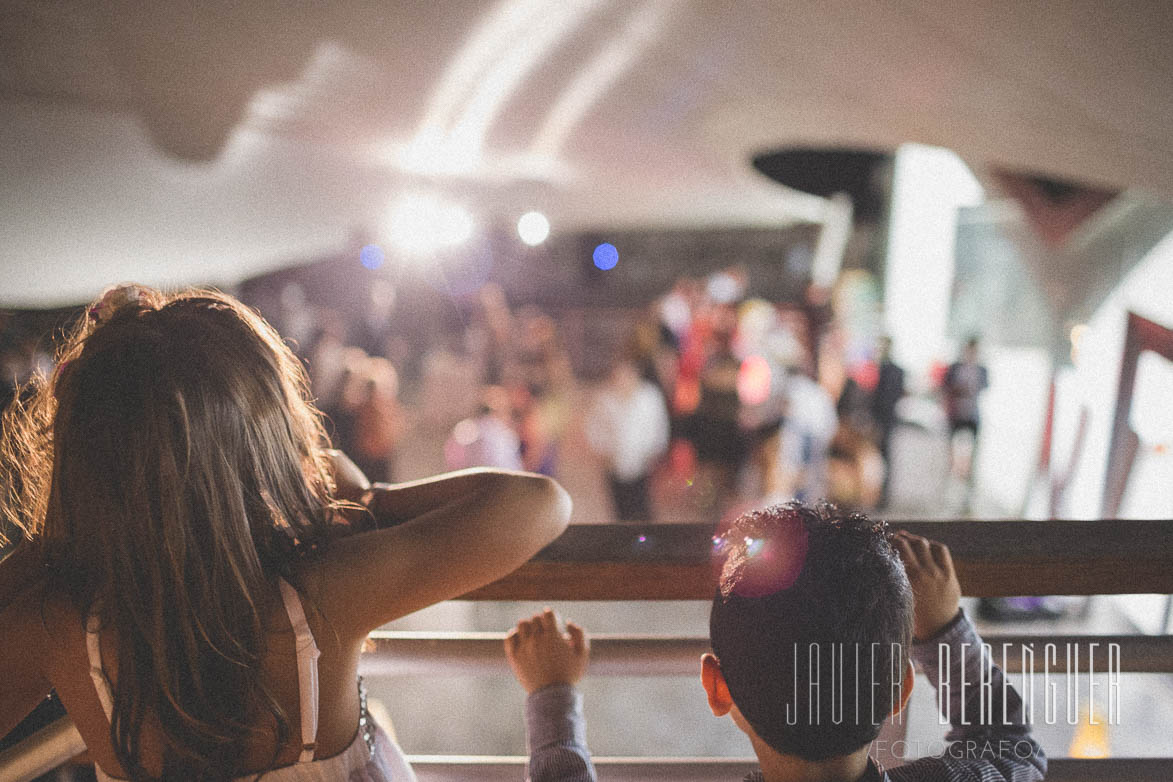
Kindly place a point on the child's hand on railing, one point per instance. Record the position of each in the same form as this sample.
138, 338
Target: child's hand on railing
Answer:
541, 654
935, 589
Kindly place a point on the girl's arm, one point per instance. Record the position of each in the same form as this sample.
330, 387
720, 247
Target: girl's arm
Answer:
456, 532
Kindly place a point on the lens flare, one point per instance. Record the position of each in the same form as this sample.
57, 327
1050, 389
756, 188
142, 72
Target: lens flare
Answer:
759, 556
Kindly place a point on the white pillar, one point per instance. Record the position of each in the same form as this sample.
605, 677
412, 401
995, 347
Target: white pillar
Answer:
929, 185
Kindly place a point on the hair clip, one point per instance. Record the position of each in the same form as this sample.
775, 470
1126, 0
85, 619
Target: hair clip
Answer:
114, 299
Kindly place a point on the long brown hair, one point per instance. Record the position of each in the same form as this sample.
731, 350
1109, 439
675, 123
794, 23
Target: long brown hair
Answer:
173, 468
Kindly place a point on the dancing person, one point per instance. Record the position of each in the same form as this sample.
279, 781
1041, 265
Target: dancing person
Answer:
377, 419
805, 438
887, 394
715, 425
487, 439
627, 427
199, 612
965, 379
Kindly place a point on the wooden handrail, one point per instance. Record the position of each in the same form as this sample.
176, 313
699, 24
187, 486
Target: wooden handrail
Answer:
993, 558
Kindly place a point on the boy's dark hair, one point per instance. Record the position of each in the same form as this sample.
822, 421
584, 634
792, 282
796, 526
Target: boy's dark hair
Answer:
802, 590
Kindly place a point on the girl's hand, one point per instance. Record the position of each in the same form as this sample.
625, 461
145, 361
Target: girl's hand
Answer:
540, 654
351, 482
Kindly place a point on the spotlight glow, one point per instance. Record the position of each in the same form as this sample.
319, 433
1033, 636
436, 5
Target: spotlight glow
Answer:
533, 228
423, 223
371, 256
606, 256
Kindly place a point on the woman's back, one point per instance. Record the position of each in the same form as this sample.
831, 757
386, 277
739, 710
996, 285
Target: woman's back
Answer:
174, 472
70, 663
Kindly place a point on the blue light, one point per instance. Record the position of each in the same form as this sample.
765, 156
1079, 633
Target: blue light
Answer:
371, 256
606, 256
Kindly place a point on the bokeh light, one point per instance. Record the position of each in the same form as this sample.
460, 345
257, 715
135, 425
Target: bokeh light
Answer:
466, 432
533, 228
753, 381
371, 256
423, 223
606, 256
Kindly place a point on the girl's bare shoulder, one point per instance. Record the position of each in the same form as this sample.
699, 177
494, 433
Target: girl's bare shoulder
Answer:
43, 623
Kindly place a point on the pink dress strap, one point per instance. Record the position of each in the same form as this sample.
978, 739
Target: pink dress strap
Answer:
97, 673
307, 670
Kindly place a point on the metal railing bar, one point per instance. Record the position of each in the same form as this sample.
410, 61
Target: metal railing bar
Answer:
615, 769
41, 752
58, 742
422, 653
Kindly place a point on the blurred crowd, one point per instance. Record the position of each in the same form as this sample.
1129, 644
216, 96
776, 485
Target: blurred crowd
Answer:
710, 399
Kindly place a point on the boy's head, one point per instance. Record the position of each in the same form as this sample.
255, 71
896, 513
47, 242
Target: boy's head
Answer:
801, 591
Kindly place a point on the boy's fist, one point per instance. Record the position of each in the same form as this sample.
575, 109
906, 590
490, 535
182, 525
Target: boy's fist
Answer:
540, 654
935, 589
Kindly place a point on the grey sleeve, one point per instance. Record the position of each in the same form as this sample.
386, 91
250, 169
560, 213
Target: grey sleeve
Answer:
556, 736
990, 738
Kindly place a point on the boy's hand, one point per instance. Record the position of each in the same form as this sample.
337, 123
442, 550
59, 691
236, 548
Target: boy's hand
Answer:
935, 589
540, 654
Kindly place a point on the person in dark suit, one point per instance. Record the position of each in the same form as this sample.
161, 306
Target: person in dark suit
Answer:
964, 382
888, 392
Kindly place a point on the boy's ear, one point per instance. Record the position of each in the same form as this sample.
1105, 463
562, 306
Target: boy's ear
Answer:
720, 701
905, 689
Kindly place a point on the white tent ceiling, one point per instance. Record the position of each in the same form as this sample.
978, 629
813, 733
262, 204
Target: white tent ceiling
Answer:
171, 142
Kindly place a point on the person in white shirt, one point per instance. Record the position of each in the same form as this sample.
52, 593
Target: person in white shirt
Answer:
809, 426
488, 439
627, 427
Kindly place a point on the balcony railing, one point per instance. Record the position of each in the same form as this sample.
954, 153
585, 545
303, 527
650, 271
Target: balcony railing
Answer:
672, 562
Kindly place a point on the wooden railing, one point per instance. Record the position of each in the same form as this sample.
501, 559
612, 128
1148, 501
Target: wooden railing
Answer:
672, 562
993, 559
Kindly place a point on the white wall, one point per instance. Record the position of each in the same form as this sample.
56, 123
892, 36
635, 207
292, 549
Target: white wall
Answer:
1148, 291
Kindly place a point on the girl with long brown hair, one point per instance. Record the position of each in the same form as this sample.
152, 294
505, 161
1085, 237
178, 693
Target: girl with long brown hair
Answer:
196, 611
